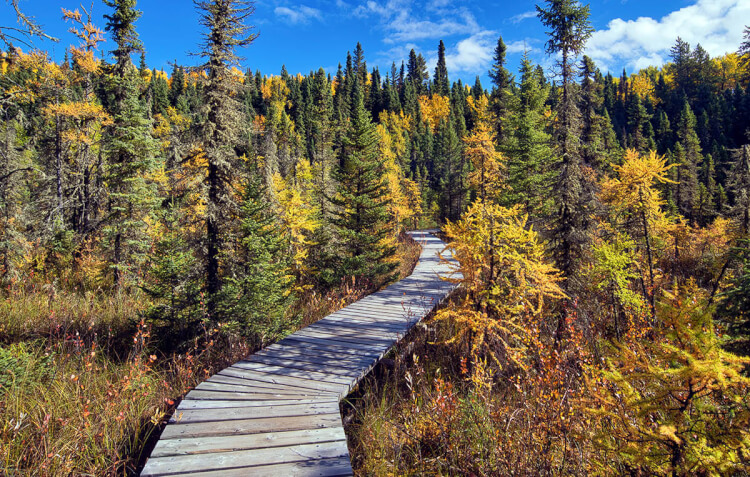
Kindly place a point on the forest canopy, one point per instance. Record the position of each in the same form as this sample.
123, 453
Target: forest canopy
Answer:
601, 223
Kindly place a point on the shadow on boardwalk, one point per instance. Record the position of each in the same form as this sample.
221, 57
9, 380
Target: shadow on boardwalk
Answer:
277, 411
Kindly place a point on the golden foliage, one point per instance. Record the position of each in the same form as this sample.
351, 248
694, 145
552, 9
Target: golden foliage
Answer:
506, 278
487, 177
299, 218
634, 188
435, 109
674, 403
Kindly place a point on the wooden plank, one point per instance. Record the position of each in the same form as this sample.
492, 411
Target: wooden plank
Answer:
374, 337
198, 445
364, 328
245, 458
342, 335
326, 342
189, 416
233, 388
219, 404
251, 426
197, 394
336, 467
306, 386
367, 320
304, 343
333, 350
352, 371
346, 362
281, 371
276, 387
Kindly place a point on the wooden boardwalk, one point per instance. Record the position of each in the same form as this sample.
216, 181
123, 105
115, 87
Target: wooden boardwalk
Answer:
276, 413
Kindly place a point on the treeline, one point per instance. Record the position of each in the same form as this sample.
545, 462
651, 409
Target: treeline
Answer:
214, 190
602, 327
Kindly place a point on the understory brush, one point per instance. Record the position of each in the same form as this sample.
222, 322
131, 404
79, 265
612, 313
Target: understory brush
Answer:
85, 388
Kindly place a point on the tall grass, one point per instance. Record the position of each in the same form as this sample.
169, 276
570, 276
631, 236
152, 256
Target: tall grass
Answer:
83, 391
47, 313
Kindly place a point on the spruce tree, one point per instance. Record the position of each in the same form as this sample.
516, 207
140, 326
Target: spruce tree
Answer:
257, 295
739, 188
159, 91
502, 82
528, 146
226, 31
638, 121
733, 310
593, 125
360, 213
569, 26
441, 83
177, 89
129, 147
690, 160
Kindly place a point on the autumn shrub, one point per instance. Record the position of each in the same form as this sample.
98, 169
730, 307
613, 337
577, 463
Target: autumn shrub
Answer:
67, 408
673, 402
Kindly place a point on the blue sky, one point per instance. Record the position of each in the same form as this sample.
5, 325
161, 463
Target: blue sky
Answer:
308, 34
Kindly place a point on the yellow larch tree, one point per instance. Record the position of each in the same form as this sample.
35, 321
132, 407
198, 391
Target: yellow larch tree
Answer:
633, 195
434, 109
300, 218
487, 177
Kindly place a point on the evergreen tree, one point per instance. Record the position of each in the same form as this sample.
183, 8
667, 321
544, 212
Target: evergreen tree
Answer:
129, 146
177, 88
739, 188
171, 281
258, 294
417, 73
361, 214
441, 83
226, 31
744, 53
569, 26
452, 171
528, 147
596, 144
159, 91
502, 82
690, 159
638, 122
734, 308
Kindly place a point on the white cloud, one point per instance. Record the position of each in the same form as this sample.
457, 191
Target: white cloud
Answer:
523, 16
298, 15
520, 46
716, 24
471, 55
403, 21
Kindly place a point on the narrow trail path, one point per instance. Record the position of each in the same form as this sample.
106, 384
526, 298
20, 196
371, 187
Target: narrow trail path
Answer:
276, 413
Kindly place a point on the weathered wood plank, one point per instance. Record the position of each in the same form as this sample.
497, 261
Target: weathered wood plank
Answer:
336, 467
198, 445
251, 426
305, 386
347, 363
219, 404
307, 366
282, 371
198, 394
189, 416
246, 458
276, 387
